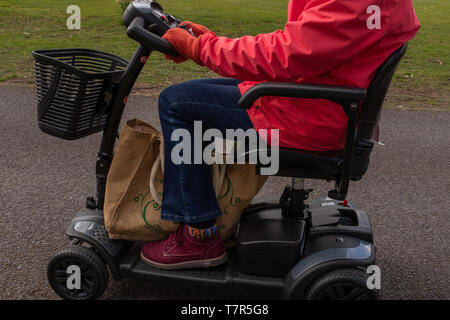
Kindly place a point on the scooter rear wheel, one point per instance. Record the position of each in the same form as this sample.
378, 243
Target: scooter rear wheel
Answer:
76, 261
341, 284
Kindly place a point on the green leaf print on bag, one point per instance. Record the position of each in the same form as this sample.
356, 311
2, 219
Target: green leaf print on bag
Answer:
233, 200
143, 208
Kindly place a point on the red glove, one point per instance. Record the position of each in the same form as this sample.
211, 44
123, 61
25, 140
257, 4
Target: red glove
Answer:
197, 29
185, 44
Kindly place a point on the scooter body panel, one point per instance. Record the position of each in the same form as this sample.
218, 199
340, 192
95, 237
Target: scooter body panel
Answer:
317, 249
88, 226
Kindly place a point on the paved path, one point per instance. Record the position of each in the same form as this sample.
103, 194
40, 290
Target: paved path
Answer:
43, 180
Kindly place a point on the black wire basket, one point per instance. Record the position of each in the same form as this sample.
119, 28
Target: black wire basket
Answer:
74, 88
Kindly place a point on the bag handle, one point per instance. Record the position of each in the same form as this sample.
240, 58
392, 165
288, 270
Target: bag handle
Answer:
218, 173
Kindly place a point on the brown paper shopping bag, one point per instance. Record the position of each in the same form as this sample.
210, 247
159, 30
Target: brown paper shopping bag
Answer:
132, 207
130, 211
238, 189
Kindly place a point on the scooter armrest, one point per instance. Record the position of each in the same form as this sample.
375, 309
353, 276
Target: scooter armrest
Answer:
338, 94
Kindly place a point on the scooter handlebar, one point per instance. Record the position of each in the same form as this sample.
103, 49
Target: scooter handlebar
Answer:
137, 32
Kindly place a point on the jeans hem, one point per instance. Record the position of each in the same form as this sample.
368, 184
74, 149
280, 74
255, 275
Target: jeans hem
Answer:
184, 219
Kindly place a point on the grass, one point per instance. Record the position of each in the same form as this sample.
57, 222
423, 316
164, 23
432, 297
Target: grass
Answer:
423, 77
29, 24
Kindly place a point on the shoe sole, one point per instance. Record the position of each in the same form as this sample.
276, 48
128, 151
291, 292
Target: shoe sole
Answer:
187, 265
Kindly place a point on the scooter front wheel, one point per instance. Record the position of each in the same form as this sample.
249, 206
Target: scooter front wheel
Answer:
77, 273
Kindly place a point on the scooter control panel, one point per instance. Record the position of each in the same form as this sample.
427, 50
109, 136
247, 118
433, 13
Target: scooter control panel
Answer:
156, 20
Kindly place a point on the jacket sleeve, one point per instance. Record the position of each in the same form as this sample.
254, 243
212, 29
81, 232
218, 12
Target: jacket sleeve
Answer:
327, 33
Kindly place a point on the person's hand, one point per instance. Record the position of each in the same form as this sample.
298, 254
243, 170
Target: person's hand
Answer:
197, 29
187, 46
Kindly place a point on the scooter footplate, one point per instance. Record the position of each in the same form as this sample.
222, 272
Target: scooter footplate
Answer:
132, 266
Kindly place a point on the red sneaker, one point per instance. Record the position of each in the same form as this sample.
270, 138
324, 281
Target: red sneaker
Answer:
181, 251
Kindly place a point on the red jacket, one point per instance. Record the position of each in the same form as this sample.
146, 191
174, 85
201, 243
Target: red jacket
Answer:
323, 42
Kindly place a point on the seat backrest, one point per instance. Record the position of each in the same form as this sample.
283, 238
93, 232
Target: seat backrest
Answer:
369, 115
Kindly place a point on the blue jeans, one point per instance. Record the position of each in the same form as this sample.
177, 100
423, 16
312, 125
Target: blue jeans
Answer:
188, 193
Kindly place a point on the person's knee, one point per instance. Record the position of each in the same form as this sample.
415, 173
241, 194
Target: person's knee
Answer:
167, 97
186, 92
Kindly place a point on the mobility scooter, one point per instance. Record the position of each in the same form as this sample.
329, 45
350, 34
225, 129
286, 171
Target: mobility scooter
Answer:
286, 246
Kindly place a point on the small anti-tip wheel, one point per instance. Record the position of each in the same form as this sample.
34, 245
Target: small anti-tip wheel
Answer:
77, 273
341, 284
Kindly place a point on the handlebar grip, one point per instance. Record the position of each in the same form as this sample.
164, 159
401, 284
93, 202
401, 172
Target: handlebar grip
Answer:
137, 32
